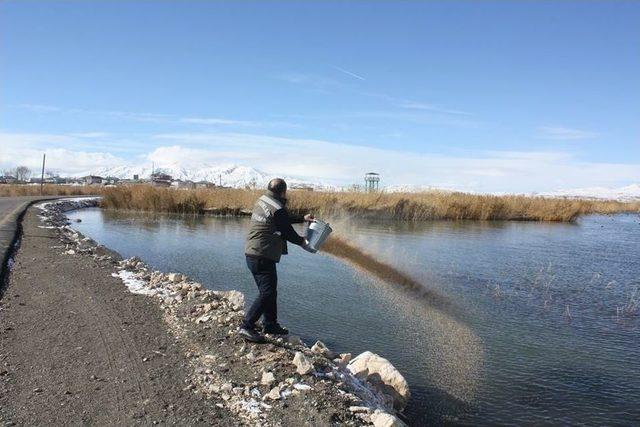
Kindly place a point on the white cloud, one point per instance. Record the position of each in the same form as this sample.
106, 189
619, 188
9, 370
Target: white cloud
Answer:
331, 162
89, 134
343, 163
216, 121
430, 107
230, 122
415, 105
148, 117
565, 134
27, 150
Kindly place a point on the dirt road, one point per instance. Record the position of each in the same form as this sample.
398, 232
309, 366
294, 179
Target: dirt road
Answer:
77, 348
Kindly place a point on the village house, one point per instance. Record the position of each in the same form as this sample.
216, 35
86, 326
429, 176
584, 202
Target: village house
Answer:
93, 180
7, 179
160, 179
178, 183
205, 184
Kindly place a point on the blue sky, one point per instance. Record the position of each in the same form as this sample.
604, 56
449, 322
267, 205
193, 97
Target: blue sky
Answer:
483, 96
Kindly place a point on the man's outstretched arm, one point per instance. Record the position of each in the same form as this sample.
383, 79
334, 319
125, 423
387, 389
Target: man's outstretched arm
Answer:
283, 225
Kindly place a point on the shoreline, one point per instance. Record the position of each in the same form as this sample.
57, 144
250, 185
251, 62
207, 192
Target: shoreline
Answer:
283, 381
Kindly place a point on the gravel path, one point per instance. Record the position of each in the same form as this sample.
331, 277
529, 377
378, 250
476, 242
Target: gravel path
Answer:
77, 348
11, 209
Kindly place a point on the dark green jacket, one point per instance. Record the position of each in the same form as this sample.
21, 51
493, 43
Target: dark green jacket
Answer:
271, 228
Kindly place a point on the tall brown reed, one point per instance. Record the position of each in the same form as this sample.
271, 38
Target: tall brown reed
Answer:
13, 190
399, 206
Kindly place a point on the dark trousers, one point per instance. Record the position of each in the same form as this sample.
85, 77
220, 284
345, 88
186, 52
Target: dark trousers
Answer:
266, 277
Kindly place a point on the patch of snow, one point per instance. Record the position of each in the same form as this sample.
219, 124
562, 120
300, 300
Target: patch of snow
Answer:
134, 285
252, 406
300, 386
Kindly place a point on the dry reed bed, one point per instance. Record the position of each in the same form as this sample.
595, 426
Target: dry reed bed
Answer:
399, 206
14, 190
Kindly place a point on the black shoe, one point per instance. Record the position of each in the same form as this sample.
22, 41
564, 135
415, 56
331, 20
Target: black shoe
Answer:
275, 329
251, 335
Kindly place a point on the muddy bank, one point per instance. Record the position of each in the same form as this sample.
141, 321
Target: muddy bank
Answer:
283, 382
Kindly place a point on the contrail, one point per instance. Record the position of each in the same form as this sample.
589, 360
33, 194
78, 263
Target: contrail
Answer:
348, 73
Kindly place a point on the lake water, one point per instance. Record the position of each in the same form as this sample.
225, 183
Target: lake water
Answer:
543, 327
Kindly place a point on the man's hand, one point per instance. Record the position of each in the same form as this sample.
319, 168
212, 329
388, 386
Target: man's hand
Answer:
309, 218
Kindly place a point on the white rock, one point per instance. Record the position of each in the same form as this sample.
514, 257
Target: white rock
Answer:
320, 348
236, 298
303, 365
267, 378
175, 277
345, 357
379, 372
302, 387
342, 360
384, 419
274, 394
203, 319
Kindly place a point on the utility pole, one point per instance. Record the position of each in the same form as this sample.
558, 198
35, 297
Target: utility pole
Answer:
220, 180
44, 156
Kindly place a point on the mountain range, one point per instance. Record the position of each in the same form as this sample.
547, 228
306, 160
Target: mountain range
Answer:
226, 175
627, 193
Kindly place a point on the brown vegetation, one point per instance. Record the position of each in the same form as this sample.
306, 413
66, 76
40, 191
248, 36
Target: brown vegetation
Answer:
13, 190
400, 206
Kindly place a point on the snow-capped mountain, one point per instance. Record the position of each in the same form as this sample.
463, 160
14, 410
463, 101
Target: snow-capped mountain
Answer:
227, 175
630, 192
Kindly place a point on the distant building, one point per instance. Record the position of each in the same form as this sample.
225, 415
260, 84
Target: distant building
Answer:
7, 179
54, 180
136, 177
205, 184
111, 180
93, 180
302, 187
160, 179
178, 183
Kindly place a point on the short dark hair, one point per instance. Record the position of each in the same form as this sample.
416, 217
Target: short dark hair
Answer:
277, 185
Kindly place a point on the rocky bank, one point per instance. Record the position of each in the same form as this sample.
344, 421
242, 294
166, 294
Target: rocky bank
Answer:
281, 382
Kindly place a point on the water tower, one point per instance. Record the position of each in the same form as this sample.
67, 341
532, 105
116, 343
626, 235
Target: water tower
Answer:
371, 181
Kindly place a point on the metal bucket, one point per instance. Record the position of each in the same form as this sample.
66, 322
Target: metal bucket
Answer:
317, 233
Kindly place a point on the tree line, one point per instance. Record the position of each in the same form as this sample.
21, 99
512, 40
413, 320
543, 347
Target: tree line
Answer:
20, 173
